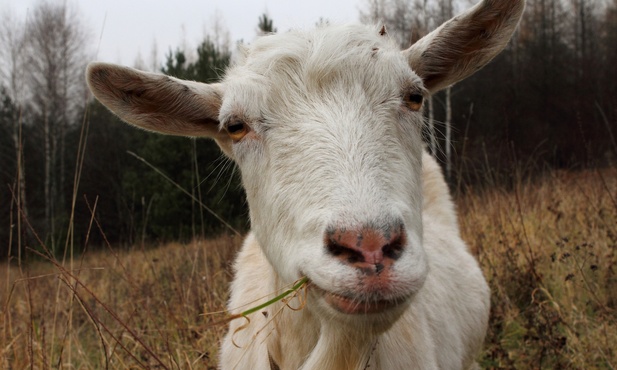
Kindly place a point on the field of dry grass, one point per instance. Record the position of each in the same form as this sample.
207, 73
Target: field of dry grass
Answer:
132, 309
547, 248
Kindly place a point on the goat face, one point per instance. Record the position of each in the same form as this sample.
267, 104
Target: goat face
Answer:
326, 129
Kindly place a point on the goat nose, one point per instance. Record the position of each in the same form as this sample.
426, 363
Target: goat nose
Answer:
367, 247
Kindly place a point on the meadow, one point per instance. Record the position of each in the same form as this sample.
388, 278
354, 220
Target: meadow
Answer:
546, 245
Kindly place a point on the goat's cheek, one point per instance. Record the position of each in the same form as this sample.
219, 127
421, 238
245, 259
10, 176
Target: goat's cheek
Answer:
253, 166
250, 145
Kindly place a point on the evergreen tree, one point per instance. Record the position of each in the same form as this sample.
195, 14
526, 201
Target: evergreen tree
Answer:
265, 25
157, 207
8, 168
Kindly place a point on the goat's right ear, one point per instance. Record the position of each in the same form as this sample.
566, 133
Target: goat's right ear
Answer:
464, 44
157, 102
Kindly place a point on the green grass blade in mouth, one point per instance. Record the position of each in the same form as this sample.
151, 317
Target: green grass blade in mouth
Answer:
297, 285
294, 288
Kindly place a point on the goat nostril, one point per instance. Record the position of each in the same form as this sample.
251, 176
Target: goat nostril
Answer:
393, 250
335, 249
350, 255
366, 247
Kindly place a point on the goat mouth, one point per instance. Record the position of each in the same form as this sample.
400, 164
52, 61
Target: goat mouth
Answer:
357, 306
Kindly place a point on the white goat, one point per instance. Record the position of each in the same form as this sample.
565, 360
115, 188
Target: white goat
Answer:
325, 127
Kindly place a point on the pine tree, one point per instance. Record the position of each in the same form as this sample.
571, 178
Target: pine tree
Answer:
265, 25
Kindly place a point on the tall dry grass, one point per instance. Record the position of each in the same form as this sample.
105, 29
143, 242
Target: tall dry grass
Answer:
547, 248
131, 309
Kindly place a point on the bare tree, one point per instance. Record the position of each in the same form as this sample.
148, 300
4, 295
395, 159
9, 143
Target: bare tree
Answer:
219, 33
56, 57
12, 47
405, 20
155, 63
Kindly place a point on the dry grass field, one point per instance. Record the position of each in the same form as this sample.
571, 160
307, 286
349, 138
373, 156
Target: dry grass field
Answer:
548, 249
546, 246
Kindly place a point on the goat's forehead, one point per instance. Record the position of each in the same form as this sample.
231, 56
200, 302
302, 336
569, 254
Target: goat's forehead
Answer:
326, 54
298, 66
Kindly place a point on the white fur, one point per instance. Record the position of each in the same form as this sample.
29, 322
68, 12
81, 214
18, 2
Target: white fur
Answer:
331, 143
443, 327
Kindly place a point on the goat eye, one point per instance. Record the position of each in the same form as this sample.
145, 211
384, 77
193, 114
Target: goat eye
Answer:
414, 101
237, 130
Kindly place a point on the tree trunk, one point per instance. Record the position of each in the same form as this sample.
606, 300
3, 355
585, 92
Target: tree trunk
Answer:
22, 205
47, 175
53, 165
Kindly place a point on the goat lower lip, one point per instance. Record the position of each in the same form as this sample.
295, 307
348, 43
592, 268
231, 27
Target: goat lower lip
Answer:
353, 306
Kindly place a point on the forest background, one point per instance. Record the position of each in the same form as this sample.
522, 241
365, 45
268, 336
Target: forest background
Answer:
548, 101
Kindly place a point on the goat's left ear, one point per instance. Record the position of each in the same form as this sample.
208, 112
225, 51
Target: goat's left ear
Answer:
464, 44
157, 102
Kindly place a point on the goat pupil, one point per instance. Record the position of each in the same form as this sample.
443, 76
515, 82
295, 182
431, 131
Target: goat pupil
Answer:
235, 127
415, 98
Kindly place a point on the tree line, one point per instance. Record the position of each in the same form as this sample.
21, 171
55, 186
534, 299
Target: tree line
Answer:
74, 175
547, 101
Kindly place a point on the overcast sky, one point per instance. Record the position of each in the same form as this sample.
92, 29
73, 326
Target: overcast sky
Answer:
127, 28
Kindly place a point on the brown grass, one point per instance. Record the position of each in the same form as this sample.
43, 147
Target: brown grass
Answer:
547, 249
138, 309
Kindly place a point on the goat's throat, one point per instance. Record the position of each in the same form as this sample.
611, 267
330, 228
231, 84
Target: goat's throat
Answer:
336, 350
302, 341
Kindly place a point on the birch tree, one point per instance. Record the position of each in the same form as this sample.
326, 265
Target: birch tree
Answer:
56, 44
12, 46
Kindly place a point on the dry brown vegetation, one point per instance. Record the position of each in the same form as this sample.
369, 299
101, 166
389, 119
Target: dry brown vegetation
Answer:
135, 309
547, 248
